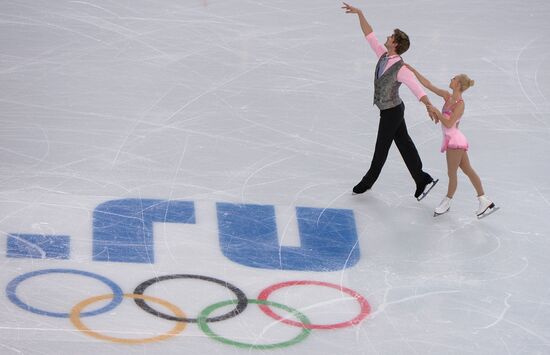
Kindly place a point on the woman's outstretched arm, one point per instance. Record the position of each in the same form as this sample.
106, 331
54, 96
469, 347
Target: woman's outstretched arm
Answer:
428, 85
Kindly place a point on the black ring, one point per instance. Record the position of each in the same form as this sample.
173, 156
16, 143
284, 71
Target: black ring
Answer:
242, 301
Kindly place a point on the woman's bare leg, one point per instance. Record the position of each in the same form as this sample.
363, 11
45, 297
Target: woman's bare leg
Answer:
472, 175
454, 158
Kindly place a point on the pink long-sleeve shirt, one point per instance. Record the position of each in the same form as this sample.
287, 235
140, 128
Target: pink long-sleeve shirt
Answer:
404, 75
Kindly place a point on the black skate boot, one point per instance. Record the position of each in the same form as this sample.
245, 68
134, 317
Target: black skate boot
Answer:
361, 187
423, 189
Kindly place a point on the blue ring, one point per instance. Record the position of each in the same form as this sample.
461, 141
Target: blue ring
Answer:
11, 291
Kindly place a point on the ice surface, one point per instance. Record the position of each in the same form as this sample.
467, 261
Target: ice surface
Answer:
265, 108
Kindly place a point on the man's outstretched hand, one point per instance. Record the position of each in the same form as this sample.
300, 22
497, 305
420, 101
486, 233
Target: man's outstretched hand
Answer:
350, 9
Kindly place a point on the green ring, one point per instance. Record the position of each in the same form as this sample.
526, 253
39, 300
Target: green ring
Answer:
201, 320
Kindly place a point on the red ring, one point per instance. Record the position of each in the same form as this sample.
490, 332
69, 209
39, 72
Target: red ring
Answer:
365, 307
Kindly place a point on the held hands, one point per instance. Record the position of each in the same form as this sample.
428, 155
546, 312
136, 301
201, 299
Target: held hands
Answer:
433, 112
432, 109
429, 107
350, 9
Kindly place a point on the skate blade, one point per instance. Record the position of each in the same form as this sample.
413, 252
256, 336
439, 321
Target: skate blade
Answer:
488, 212
440, 214
425, 193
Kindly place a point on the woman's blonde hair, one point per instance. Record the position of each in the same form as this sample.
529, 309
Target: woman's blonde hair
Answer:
464, 81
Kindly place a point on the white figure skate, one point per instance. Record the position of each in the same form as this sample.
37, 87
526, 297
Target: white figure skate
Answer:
486, 207
443, 207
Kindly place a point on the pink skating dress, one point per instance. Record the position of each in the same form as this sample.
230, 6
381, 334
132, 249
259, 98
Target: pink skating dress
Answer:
452, 137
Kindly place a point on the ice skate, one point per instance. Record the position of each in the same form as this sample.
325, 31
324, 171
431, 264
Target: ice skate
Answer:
486, 207
361, 187
422, 191
443, 207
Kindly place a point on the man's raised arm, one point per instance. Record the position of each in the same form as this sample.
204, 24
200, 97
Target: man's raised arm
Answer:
365, 26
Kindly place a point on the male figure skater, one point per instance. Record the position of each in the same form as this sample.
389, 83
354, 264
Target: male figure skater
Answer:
390, 73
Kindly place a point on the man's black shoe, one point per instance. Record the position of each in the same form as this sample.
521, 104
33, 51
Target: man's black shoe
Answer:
421, 190
361, 187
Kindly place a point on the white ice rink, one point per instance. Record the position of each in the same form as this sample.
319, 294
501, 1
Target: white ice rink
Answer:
205, 150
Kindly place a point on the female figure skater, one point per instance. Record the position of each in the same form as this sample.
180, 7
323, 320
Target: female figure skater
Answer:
454, 142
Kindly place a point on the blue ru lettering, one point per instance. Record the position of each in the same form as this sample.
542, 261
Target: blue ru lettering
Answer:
123, 232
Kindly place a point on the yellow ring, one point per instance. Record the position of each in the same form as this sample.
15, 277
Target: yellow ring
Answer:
75, 319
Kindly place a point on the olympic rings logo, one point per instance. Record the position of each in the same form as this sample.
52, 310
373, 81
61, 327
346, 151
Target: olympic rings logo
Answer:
179, 317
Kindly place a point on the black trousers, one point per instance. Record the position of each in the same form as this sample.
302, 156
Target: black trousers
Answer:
392, 128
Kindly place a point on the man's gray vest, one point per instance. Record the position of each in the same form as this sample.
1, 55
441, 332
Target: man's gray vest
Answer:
386, 87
